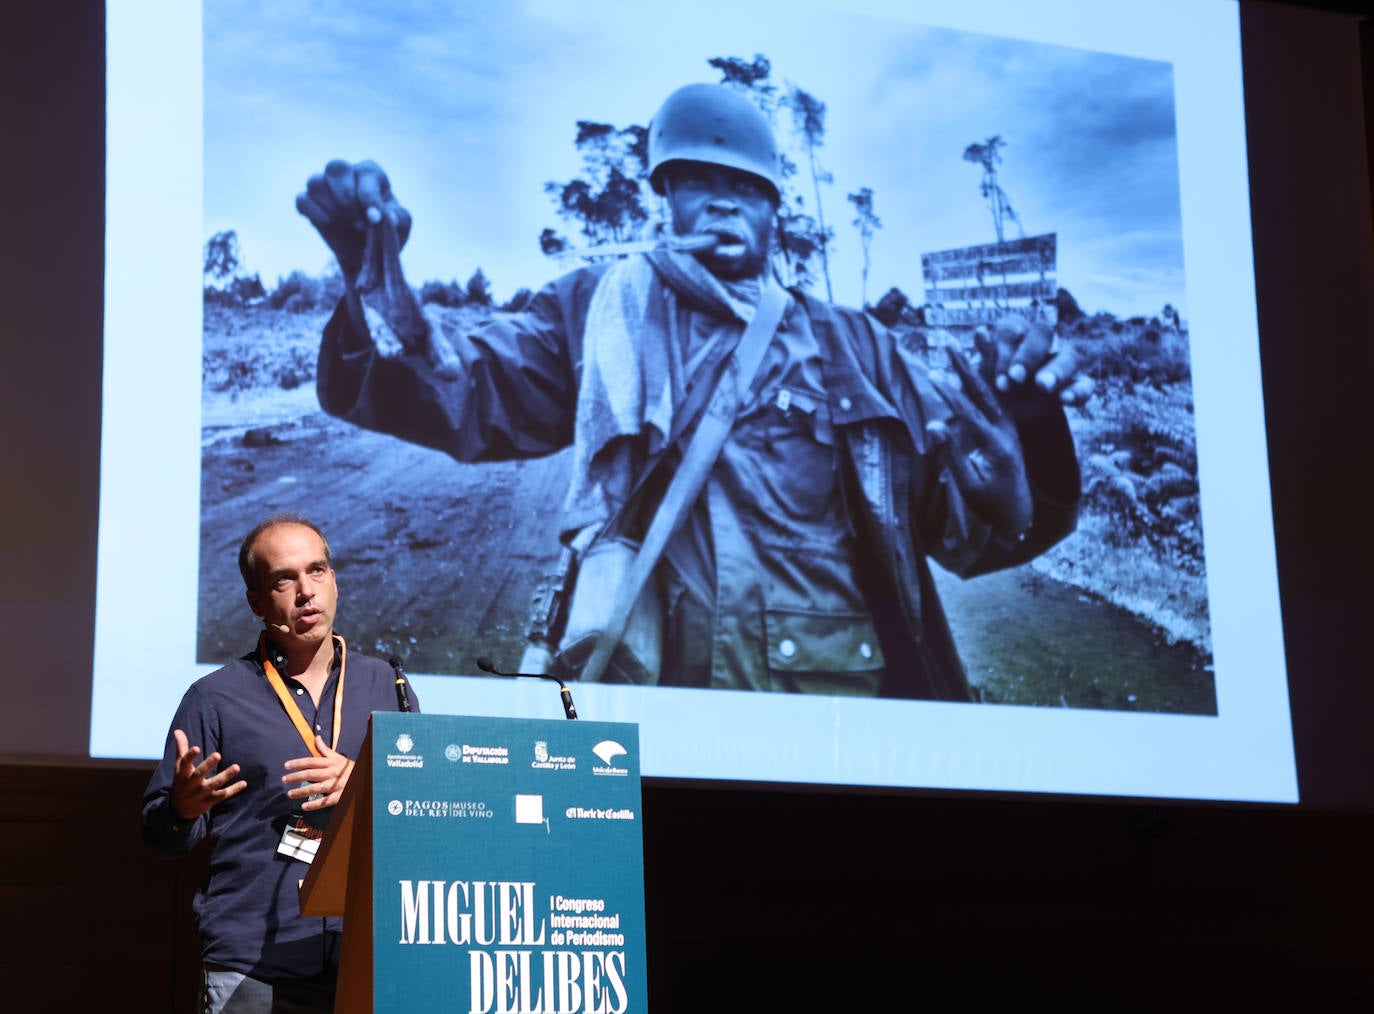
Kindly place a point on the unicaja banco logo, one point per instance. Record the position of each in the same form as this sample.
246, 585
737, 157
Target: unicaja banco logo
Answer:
607, 751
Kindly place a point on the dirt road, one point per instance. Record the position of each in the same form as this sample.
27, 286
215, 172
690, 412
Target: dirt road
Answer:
437, 562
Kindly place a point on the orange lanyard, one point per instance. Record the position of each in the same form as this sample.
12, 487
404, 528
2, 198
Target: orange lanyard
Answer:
293, 711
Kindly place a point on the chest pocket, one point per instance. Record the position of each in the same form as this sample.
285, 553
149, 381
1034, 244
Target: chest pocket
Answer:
789, 438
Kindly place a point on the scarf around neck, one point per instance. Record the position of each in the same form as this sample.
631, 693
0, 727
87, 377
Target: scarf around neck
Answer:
634, 371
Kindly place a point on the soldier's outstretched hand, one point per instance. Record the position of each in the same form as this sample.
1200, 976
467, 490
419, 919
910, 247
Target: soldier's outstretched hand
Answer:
343, 201
979, 446
1028, 365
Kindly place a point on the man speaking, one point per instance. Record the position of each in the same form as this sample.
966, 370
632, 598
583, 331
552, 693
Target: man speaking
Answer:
258, 754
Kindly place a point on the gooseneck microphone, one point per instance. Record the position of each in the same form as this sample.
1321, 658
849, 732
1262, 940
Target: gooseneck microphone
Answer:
486, 665
402, 693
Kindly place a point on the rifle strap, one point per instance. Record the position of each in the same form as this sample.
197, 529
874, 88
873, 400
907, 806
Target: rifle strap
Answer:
692, 472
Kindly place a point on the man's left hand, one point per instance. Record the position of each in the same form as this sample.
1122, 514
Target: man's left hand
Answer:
979, 446
1025, 362
318, 780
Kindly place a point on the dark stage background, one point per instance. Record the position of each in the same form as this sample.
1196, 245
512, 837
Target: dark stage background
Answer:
761, 898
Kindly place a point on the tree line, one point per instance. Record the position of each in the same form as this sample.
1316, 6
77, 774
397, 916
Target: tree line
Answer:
610, 201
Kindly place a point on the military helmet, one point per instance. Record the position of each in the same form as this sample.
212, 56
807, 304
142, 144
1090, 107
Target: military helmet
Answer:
715, 124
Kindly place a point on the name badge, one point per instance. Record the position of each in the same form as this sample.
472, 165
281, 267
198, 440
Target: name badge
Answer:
301, 837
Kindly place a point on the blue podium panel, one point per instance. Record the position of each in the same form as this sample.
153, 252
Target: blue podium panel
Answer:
508, 873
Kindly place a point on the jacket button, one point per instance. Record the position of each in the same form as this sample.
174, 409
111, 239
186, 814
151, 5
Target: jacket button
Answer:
846, 404
787, 647
866, 650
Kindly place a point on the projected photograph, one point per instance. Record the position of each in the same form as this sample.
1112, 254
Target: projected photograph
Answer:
942, 182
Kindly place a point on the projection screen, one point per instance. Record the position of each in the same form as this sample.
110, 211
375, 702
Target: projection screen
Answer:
1143, 656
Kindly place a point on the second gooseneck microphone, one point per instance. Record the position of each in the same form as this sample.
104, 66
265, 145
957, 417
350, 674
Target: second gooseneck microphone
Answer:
402, 690
486, 665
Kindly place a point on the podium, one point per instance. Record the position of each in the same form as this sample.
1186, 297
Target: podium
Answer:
487, 866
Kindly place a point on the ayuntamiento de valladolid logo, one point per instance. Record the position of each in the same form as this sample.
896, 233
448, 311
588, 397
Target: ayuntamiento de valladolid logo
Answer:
403, 758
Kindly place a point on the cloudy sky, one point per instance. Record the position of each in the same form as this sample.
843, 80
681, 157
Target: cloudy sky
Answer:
471, 108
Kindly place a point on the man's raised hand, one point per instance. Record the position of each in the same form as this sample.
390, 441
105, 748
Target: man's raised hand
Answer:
979, 446
343, 201
1024, 361
318, 780
197, 786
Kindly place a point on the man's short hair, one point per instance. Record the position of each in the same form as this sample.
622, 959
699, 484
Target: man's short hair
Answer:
248, 564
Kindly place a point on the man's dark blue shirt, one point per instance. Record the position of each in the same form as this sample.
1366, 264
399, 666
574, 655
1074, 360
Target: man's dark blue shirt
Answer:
248, 908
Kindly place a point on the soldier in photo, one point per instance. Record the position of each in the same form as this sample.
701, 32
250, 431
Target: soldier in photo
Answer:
759, 479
